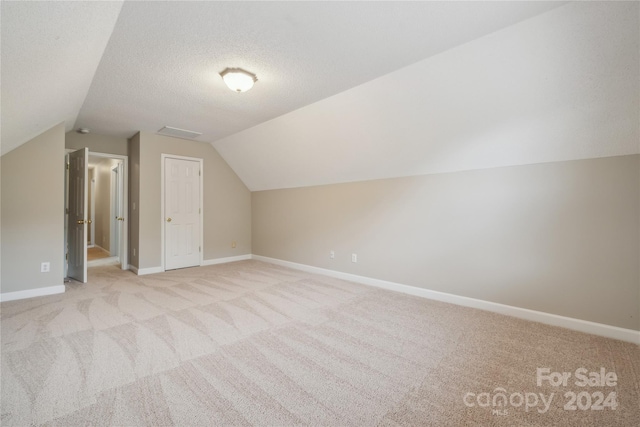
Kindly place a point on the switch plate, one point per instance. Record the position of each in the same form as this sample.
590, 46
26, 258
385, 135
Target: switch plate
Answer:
45, 267
332, 254
354, 257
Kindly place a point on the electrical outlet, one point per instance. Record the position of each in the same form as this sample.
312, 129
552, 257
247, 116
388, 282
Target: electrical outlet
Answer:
354, 257
45, 267
332, 254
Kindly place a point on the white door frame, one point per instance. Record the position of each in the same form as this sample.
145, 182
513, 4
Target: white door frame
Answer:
162, 216
124, 235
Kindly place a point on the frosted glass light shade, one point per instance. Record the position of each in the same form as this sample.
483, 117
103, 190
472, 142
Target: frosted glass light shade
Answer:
238, 79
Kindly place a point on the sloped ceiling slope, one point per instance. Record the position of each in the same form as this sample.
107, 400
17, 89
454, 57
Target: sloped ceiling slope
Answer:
563, 85
50, 52
163, 61
161, 64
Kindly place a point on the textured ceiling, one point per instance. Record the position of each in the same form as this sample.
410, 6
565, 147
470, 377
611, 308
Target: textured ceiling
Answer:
161, 64
563, 85
346, 91
50, 53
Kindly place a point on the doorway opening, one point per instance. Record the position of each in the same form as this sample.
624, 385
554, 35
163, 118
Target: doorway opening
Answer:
101, 198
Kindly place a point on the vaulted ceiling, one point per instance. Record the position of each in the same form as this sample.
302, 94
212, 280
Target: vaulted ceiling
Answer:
345, 91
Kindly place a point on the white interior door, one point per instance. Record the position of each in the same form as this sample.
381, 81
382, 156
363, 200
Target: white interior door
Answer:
122, 212
181, 213
117, 215
78, 189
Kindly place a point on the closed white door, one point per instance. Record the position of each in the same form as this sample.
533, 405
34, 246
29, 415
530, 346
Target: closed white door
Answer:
182, 213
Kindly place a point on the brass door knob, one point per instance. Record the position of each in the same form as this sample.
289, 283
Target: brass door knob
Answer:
169, 219
89, 222
81, 221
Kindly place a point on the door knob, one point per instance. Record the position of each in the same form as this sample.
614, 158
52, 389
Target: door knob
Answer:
81, 221
120, 218
169, 219
89, 221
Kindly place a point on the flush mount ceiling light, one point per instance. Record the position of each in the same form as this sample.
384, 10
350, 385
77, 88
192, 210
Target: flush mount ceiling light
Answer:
238, 79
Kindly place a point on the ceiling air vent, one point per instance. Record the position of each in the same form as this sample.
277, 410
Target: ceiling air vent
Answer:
179, 133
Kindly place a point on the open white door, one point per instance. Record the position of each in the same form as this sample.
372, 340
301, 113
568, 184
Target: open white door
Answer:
78, 189
122, 243
182, 213
115, 213
117, 210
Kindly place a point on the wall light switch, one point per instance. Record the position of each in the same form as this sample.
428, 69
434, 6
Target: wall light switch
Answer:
332, 254
354, 257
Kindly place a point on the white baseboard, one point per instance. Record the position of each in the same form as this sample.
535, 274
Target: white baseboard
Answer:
226, 260
153, 270
30, 293
145, 271
586, 326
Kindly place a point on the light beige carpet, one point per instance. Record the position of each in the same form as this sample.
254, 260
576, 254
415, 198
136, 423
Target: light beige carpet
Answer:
251, 343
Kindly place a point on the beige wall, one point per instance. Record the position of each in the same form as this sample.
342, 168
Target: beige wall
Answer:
96, 143
558, 237
227, 202
33, 212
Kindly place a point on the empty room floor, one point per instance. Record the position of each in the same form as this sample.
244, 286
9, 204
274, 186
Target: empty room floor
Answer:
96, 253
250, 343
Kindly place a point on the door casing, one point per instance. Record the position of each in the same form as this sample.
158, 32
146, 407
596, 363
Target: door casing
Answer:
123, 248
124, 236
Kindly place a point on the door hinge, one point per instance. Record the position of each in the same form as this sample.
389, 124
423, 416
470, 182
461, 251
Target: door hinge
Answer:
199, 172
67, 166
66, 256
199, 249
